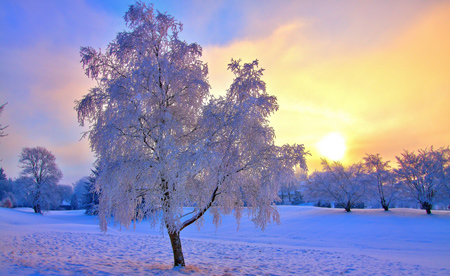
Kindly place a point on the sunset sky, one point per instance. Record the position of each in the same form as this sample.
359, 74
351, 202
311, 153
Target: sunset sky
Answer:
377, 73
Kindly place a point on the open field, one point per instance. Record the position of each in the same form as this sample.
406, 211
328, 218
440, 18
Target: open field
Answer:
309, 241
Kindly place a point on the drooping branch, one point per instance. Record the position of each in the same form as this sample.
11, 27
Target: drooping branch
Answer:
200, 213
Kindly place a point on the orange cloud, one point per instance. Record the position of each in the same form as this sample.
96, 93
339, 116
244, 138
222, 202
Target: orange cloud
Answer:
383, 98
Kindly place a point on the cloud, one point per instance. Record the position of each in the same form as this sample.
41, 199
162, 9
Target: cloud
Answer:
390, 95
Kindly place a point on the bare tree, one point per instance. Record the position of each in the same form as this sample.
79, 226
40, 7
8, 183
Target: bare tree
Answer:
2, 128
40, 175
423, 173
345, 186
381, 179
164, 142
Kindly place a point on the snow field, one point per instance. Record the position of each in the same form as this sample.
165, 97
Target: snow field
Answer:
311, 241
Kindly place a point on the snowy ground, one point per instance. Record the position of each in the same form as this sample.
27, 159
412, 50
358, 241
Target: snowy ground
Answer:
309, 241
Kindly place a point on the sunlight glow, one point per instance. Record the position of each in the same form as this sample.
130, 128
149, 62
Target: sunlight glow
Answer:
332, 146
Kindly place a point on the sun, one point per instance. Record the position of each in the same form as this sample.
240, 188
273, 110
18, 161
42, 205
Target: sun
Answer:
332, 146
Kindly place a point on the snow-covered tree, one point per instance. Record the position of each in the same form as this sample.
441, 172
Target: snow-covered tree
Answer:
2, 174
423, 173
164, 143
381, 180
39, 177
5, 187
345, 186
6, 190
90, 198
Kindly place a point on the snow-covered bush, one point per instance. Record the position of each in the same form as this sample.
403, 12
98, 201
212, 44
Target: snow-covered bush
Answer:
6, 203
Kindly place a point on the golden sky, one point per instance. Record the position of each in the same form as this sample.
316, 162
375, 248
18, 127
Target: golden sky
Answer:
382, 98
375, 71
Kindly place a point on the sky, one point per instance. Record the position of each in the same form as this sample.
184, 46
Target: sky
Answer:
375, 74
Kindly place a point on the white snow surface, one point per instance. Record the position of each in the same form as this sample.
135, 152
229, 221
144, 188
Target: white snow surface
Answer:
309, 241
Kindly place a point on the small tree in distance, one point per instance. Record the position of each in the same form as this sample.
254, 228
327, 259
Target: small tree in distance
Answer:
381, 179
2, 174
39, 177
345, 186
422, 174
164, 142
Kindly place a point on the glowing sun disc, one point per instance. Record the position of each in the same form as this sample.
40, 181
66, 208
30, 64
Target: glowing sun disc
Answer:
332, 146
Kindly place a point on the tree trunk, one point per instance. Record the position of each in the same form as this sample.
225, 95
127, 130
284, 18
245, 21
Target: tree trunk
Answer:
348, 206
37, 209
36, 200
427, 206
384, 204
178, 259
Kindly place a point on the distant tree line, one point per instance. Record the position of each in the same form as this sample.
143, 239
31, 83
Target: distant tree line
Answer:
420, 179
